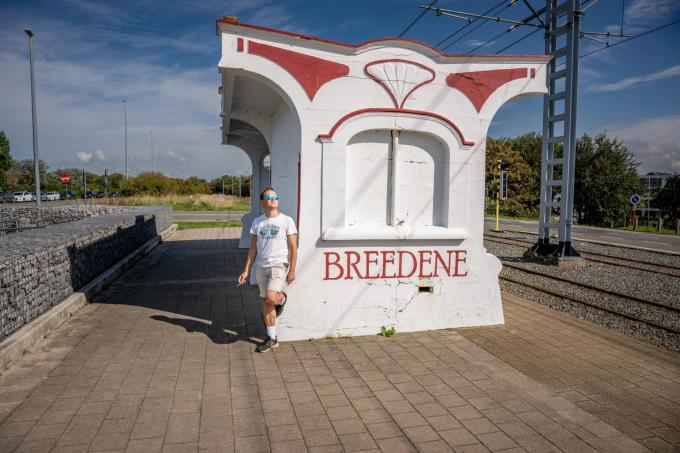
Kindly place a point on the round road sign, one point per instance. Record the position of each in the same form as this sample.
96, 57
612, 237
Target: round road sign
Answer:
635, 199
65, 178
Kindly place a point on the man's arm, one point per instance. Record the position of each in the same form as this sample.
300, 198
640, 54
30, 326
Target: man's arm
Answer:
292, 258
252, 253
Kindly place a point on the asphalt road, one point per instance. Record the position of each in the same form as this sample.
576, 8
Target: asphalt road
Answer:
662, 242
207, 216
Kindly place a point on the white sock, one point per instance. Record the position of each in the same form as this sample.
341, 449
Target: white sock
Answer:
271, 332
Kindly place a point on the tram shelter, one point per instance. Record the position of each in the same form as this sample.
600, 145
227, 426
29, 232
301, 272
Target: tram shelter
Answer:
378, 151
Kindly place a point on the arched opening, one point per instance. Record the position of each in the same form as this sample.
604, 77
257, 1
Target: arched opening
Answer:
260, 119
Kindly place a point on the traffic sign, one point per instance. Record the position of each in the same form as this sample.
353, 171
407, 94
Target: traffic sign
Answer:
635, 199
65, 178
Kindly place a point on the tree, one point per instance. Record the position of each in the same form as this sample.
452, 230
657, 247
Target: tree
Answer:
522, 186
668, 198
5, 159
606, 177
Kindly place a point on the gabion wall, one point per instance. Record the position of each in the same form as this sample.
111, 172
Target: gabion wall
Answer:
39, 268
22, 214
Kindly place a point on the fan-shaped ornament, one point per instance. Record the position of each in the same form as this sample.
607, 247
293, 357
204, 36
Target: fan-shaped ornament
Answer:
400, 78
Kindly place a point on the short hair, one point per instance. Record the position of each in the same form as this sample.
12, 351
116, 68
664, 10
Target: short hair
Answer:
266, 189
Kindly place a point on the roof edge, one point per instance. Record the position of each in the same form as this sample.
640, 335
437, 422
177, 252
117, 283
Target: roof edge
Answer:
231, 21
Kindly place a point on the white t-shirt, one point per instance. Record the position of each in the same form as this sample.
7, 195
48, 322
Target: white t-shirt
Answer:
272, 239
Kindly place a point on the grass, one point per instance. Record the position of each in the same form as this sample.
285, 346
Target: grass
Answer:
647, 229
214, 202
193, 225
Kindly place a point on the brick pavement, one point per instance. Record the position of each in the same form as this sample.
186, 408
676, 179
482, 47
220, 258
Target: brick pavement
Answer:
164, 360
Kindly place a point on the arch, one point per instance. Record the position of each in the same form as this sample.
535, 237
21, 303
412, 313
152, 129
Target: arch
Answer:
398, 112
453, 172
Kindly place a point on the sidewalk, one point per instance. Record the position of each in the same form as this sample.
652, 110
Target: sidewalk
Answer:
164, 360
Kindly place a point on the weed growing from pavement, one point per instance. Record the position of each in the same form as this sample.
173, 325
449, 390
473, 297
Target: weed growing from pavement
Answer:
385, 332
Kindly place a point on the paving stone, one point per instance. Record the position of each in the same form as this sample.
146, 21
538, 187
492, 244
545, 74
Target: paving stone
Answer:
152, 445
320, 437
357, 442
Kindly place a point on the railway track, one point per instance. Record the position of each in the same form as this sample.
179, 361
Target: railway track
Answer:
599, 257
655, 320
658, 315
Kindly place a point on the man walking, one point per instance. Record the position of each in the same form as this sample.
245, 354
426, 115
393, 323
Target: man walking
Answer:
273, 252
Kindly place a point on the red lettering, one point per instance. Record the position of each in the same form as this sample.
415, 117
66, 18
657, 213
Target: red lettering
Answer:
384, 263
335, 263
439, 259
460, 260
352, 264
414, 266
370, 261
422, 254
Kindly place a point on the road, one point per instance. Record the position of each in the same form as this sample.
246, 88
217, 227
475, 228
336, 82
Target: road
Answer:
207, 216
661, 242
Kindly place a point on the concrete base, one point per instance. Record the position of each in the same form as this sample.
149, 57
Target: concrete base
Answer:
564, 261
16, 345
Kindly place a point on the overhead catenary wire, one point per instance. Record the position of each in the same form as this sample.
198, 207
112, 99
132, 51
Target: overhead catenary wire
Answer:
488, 11
420, 16
510, 4
517, 41
513, 28
631, 38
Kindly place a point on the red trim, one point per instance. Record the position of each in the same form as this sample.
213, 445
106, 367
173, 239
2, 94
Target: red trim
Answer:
390, 110
373, 41
532, 73
478, 86
239, 45
396, 104
310, 72
297, 217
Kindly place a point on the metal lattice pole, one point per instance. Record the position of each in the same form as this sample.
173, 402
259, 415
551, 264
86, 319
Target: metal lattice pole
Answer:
562, 19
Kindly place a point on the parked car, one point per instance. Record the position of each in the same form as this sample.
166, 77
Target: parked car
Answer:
114, 195
33, 197
100, 195
49, 196
89, 194
67, 195
6, 197
22, 196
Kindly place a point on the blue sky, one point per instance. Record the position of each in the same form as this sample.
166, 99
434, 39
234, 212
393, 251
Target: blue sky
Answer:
162, 57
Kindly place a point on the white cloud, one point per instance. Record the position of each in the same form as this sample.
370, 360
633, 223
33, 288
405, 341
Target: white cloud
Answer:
101, 11
667, 73
84, 156
654, 142
644, 11
99, 156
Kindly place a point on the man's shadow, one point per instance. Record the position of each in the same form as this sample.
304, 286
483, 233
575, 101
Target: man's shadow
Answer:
217, 332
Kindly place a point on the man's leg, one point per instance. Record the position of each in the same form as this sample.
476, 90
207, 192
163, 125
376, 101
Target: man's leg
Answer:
269, 317
269, 311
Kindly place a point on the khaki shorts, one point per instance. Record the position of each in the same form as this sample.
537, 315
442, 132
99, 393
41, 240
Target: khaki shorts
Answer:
271, 278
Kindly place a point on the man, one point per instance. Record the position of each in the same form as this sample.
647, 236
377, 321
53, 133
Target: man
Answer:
273, 252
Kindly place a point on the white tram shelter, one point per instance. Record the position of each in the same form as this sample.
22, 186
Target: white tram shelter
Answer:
377, 151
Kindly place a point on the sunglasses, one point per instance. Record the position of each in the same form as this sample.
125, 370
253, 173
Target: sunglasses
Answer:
270, 197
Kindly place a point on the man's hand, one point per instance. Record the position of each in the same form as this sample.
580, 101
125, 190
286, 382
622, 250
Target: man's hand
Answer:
243, 278
290, 277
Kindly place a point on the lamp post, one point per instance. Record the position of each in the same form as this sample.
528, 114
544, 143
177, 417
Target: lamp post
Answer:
124, 101
36, 160
151, 136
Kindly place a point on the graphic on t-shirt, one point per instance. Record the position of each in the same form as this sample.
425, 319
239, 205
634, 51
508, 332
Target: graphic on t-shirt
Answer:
269, 231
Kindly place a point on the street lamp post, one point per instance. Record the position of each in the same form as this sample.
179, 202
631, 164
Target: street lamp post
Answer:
124, 101
151, 136
36, 160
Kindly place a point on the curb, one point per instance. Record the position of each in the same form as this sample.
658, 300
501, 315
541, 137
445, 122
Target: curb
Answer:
18, 343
